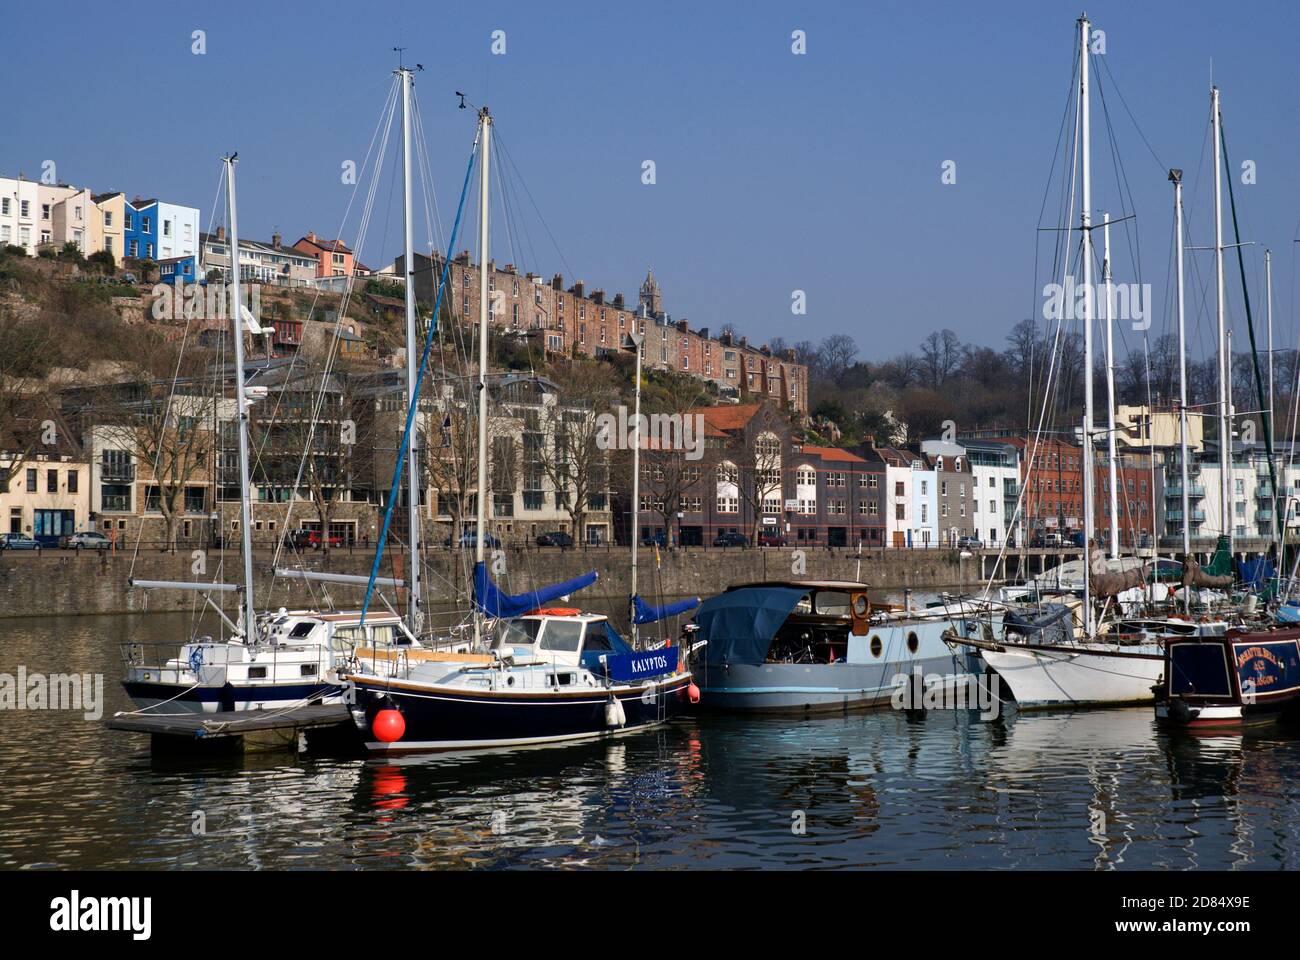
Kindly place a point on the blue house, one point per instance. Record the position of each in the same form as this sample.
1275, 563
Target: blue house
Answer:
140, 233
178, 269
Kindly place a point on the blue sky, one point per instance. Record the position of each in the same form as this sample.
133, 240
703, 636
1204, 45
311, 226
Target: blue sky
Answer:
775, 172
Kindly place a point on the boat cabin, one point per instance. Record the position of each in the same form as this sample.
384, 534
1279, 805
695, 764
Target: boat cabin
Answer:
818, 628
559, 635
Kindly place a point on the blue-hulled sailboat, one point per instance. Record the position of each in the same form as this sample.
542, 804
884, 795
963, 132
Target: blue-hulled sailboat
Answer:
538, 674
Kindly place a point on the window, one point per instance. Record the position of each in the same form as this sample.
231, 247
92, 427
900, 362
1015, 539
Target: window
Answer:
24, 208
51, 481
4, 206
72, 481
31, 480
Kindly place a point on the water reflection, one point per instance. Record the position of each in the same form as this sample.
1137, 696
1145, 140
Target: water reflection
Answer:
1097, 789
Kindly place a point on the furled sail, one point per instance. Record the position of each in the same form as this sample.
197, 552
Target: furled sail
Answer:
1195, 576
642, 612
489, 598
1105, 583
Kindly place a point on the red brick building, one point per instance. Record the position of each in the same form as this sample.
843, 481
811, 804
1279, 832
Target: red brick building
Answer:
576, 320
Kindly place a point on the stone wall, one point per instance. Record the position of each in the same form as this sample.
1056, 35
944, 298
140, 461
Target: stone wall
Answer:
63, 582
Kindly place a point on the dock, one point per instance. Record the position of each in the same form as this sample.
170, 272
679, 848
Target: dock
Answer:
241, 731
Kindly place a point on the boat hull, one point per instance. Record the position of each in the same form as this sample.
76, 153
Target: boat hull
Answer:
809, 688
187, 698
446, 718
1041, 677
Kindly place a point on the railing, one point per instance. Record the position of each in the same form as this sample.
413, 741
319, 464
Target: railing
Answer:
1176, 493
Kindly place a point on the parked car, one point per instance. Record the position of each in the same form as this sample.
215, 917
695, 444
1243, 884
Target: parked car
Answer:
86, 540
1047, 540
770, 539
310, 539
469, 539
17, 541
969, 543
731, 540
655, 540
556, 538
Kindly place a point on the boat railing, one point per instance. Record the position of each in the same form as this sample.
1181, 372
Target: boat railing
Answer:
166, 654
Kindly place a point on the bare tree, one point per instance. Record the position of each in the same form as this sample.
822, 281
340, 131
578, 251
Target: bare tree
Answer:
836, 354
28, 349
573, 460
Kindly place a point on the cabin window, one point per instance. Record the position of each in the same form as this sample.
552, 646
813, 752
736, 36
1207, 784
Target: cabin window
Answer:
832, 604
563, 679
597, 639
562, 635
1199, 669
309, 669
257, 673
301, 630
382, 634
876, 646
912, 642
509, 632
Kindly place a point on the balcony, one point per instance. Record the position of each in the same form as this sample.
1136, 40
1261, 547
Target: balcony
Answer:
1194, 490
117, 472
1264, 515
1176, 516
1264, 492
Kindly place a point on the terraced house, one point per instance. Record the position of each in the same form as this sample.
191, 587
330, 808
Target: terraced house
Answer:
574, 319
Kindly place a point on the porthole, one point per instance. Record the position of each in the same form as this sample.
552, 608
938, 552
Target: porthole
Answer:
861, 606
510, 681
876, 646
912, 642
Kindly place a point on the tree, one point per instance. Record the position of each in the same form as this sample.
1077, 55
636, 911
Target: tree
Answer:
941, 356
28, 350
161, 414
573, 460
835, 355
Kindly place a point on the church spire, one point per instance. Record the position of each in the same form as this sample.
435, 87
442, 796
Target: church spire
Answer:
651, 298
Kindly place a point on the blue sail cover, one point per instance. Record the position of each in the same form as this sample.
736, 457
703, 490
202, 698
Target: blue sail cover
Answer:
1256, 574
642, 612
739, 625
489, 598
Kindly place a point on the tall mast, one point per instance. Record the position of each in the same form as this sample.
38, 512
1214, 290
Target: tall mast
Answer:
1225, 371
1177, 177
241, 405
1085, 225
1110, 390
1278, 521
637, 340
413, 614
480, 518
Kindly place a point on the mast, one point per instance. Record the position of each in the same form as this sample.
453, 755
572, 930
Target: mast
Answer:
637, 340
1110, 389
1085, 225
1176, 176
1278, 520
413, 614
1225, 431
480, 518
241, 405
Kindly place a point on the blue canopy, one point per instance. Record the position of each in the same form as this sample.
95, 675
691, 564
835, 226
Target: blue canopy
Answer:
1256, 574
642, 612
741, 624
489, 598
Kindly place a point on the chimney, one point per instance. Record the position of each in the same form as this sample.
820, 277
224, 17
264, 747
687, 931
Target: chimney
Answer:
618, 300
683, 326
221, 232
275, 240
744, 341
703, 332
510, 268
578, 289
598, 296
311, 236
557, 282
725, 338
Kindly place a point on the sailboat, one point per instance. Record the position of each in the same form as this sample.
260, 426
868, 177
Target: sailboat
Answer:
541, 673
272, 660
1243, 676
1101, 667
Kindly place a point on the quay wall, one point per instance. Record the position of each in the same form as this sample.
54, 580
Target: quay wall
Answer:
60, 582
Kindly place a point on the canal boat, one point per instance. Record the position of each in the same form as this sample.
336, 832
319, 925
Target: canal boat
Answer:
812, 646
1241, 678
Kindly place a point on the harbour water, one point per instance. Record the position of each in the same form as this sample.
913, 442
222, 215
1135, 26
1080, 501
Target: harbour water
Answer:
1084, 790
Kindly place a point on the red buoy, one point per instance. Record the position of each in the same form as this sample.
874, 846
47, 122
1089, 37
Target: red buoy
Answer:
388, 725
693, 692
